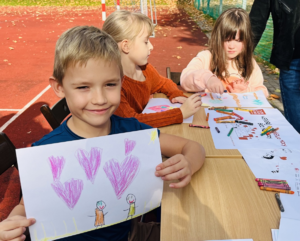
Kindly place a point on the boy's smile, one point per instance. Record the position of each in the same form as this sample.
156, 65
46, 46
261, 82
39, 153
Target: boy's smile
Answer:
92, 92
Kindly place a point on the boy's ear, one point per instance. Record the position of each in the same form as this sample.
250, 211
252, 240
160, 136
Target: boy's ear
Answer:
57, 87
124, 46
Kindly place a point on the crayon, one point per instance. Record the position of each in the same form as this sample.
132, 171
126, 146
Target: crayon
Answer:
225, 121
230, 132
241, 109
217, 129
276, 190
274, 185
272, 182
238, 115
207, 116
223, 118
203, 95
277, 197
269, 180
206, 127
224, 112
223, 108
244, 122
266, 130
271, 131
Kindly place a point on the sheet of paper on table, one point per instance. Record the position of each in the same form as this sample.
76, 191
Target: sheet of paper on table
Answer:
275, 233
83, 185
249, 136
250, 99
160, 105
289, 230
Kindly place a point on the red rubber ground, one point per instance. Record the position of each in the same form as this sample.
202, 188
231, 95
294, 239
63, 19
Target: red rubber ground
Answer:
24, 70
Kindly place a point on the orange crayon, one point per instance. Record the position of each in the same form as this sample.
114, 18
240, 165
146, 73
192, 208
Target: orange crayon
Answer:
223, 118
224, 112
225, 121
207, 116
276, 190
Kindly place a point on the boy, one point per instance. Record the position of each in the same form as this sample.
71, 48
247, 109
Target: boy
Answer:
88, 73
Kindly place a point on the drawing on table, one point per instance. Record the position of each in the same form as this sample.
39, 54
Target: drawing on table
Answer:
257, 102
99, 214
211, 96
153, 136
131, 201
245, 97
245, 132
277, 169
236, 99
121, 175
57, 164
69, 192
129, 146
161, 108
255, 96
90, 162
271, 154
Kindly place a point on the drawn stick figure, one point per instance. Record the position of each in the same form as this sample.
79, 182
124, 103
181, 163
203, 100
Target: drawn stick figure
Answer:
99, 215
131, 201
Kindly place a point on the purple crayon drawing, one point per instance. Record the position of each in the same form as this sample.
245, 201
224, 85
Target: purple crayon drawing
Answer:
90, 162
121, 175
70, 191
161, 108
57, 164
129, 146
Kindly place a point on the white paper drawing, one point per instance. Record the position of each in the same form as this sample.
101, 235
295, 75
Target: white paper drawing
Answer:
249, 136
78, 186
249, 99
160, 105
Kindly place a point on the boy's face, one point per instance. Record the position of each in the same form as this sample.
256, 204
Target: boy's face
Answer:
92, 93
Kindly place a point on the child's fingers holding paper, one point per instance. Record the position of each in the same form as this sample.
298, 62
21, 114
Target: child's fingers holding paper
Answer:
182, 183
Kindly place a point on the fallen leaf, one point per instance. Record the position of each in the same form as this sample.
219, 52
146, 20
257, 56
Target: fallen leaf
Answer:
11, 48
178, 57
179, 47
270, 98
165, 35
5, 60
14, 41
7, 38
265, 80
9, 63
20, 37
274, 96
278, 90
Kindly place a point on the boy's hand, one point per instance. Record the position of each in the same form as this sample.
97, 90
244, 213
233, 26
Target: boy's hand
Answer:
238, 86
13, 228
175, 168
215, 85
179, 99
191, 105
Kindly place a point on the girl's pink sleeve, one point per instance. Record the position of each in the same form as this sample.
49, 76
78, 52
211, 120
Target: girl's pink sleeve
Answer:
256, 81
196, 75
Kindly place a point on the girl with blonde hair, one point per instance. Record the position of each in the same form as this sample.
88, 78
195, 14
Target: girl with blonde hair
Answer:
132, 31
228, 63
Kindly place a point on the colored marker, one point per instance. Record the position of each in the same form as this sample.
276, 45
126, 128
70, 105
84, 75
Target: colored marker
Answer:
223, 118
244, 122
230, 132
271, 131
207, 116
266, 130
279, 202
223, 108
206, 127
225, 121
217, 129
276, 190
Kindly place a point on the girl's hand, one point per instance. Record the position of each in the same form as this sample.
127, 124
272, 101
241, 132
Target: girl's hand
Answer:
238, 86
175, 168
13, 228
215, 85
179, 99
191, 105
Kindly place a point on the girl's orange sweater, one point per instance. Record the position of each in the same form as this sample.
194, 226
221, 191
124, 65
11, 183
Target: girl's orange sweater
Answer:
135, 96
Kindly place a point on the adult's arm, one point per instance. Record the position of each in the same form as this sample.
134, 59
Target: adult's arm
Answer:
259, 16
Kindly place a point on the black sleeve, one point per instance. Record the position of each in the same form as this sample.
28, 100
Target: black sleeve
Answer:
259, 16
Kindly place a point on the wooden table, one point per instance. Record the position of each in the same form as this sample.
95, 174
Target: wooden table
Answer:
221, 202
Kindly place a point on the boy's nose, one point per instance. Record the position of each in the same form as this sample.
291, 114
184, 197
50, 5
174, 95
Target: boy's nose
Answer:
98, 97
150, 46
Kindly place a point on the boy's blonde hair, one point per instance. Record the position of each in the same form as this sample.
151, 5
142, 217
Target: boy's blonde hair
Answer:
81, 43
226, 27
126, 25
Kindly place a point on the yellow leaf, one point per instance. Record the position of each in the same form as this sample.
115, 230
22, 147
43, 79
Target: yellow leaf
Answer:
179, 47
178, 57
278, 90
14, 41
20, 37
5, 60
165, 35
9, 63
11, 48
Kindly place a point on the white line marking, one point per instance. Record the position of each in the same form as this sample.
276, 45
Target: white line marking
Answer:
24, 108
10, 109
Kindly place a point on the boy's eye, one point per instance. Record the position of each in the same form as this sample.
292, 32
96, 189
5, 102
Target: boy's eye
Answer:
111, 84
82, 87
146, 42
